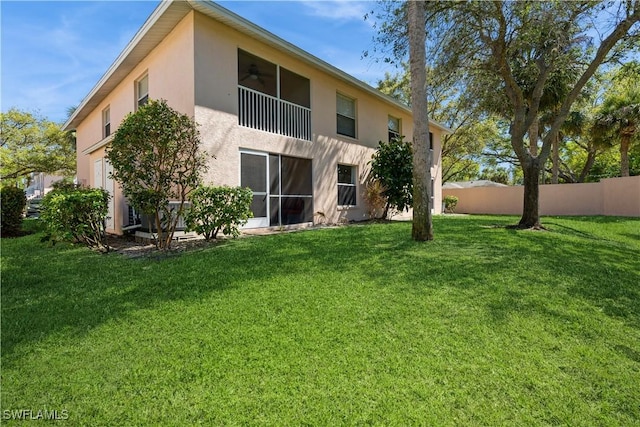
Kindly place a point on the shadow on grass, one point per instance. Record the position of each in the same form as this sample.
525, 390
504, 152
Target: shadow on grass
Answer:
69, 289
49, 290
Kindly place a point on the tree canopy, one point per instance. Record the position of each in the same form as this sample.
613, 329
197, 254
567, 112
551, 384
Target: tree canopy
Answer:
618, 118
522, 59
31, 144
156, 159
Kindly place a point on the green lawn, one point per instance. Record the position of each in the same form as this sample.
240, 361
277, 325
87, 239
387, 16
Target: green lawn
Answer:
354, 325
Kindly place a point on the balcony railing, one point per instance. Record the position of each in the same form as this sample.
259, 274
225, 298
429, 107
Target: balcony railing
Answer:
270, 114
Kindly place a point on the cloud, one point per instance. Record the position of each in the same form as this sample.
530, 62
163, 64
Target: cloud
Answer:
343, 10
51, 59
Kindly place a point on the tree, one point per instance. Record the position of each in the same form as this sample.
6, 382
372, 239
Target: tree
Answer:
392, 167
619, 116
516, 54
422, 228
29, 143
12, 203
448, 105
156, 158
524, 48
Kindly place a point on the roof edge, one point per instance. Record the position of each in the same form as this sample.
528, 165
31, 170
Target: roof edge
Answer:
216, 11
148, 24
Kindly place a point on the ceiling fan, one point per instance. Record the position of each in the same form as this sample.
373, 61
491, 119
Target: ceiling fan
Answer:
253, 73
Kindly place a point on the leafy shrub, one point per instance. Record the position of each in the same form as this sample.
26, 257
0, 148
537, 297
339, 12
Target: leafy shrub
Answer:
375, 198
450, 203
77, 214
13, 201
156, 158
392, 165
65, 185
219, 208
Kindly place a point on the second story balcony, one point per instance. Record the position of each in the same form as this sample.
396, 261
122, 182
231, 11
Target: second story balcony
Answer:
270, 114
272, 98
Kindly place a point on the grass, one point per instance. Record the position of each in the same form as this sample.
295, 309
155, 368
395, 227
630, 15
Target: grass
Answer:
354, 325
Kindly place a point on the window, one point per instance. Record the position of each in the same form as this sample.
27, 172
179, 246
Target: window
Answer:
142, 91
431, 141
346, 109
346, 185
394, 127
106, 122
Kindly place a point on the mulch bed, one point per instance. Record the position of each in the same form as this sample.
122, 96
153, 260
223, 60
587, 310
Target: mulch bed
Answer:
129, 247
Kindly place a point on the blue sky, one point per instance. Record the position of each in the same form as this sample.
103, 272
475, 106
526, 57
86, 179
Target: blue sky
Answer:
53, 52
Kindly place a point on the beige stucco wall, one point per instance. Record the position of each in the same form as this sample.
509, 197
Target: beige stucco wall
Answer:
195, 69
171, 77
621, 196
216, 82
613, 196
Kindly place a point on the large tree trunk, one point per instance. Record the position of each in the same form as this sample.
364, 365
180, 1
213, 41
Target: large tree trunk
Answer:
591, 159
555, 160
422, 223
533, 138
530, 213
624, 154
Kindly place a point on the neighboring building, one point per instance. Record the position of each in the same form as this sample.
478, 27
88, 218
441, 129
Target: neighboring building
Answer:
41, 184
473, 184
296, 130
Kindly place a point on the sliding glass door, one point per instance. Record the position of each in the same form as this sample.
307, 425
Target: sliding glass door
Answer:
253, 174
282, 187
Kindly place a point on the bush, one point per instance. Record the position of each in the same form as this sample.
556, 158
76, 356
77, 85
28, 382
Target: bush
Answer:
219, 208
450, 203
392, 165
12, 203
77, 214
156, 158
374, 196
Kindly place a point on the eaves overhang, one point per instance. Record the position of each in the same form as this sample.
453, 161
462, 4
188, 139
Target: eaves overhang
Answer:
167, 15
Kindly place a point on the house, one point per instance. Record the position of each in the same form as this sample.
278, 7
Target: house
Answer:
296, 130
41, 184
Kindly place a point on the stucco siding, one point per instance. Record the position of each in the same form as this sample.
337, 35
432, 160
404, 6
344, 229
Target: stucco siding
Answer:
216, 82
170, 70
195, 68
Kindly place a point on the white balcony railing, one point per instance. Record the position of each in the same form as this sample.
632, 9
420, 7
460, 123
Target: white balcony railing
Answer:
270, 114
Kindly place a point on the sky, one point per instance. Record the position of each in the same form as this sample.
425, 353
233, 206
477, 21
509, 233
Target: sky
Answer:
52, 53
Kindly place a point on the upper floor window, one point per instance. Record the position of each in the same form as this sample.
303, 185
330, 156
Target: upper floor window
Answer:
431, 141
393, 124
142, 91
346, 185
106, 122
346, 115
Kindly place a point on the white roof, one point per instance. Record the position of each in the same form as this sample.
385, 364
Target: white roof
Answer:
472, 184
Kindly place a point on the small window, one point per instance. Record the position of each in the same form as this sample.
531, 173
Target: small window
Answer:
346, 185
142, 91
431, 141
393, 125
346, 108
106, 122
